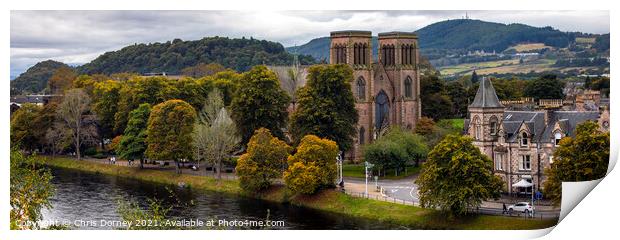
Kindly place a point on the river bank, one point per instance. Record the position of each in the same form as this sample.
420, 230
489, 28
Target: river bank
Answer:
327, 200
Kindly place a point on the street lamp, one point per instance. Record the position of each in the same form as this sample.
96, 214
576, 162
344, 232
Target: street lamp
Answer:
367, 166
339, 162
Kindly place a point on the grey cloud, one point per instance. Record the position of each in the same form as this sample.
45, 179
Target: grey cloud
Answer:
77, 37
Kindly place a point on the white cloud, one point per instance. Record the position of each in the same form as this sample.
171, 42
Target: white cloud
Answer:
77, 37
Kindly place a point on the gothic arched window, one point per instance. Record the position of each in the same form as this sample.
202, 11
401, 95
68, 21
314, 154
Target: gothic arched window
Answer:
362, 135
408, 89
477, 128
493, 124
361, 88
524, 139
382, 110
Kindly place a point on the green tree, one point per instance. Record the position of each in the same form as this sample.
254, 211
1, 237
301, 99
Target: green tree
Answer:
326, 106
458, 96
584, 157
546, 87
133, 142
106, 96
260, 102
313, 166
24, 127
215, 134
457, 176
395, 149
30, 190
138, 90
436, 103
169, 131
263, 162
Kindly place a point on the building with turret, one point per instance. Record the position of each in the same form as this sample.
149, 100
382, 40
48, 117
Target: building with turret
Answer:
521, 143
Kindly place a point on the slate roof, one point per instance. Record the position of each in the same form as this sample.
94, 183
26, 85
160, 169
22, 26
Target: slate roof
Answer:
486, 96
534, 120
568, 121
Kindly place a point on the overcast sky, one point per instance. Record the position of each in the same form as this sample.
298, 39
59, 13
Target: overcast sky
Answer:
77, 37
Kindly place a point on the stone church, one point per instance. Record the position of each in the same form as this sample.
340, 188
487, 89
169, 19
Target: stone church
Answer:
521, 143
387, 90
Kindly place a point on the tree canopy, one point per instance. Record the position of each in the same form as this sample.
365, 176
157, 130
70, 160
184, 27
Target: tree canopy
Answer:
264, 161
584, 157
133, 141
313, 166
169, 131
260, 102
545, 87
326, 106
457, 176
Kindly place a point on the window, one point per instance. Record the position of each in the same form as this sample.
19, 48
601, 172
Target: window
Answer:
362, 135
499, 161
525, 163
408, 90
558, 137
388, 57
477, 128
361, 88
524, 139
493, 123
340, 54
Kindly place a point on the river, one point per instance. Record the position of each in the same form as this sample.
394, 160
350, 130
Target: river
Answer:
89, 201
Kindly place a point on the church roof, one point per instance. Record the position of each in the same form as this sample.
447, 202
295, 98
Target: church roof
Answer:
486, 96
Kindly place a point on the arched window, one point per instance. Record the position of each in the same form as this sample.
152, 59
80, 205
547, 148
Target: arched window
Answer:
382, 110
387, 55
408, 90
362, 135
364, 58
340, 54
524, 139
361, 88
558, 137
493, 124
477, 128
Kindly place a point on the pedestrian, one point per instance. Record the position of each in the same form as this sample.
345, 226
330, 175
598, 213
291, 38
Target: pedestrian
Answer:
113, 160
504, 209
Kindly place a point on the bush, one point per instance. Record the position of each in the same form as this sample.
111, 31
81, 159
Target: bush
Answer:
313, 165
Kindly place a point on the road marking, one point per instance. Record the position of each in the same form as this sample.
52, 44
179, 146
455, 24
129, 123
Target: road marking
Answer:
411, 193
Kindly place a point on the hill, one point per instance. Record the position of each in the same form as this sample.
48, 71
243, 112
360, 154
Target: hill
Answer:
464, 35
34, 80
172, 56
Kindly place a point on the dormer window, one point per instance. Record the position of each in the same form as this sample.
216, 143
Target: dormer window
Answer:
524, 139
557, 136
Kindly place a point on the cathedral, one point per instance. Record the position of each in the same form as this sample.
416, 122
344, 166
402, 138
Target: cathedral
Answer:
387, 90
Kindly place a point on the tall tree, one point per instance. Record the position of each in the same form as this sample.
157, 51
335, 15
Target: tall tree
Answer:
73, 110
215, 134
133, 142
545, 87
169, 131
30, 189
436, 103
312, 167
24, 128
61, 80
151, 90
582, 158
326, 106
260, 102
106, 95
264, 161
58, 137
457, 176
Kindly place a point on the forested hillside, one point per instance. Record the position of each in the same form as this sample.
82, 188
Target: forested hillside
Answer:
172, 56
34, 80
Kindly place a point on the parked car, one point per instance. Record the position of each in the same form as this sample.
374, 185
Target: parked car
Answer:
524, 207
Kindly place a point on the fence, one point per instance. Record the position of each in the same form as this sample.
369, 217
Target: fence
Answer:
379, 197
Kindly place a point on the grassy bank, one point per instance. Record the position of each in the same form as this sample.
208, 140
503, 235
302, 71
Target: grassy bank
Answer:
328, 200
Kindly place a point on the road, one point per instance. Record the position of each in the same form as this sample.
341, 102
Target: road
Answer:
405, 189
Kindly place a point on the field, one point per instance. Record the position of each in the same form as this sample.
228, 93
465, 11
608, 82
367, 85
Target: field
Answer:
503, 66
585, 40
527, 47
469, 67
